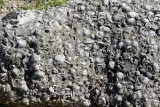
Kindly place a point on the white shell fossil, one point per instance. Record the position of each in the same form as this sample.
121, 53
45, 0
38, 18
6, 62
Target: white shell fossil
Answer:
131, 20
132, 14
105, 2
148, 7
24, 87
39, 74
51, 89
145, 80
111, 64
156, 67
25, 101
119, 98
60, 58
109, 17
135, 43
16, 71
86, 32
119, 85
36, 57
22, 43
120, 75
86, 103
84, 72
120, 45
105, 29
89, 41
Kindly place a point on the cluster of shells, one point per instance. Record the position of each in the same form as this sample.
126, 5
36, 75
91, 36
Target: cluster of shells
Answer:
94, 52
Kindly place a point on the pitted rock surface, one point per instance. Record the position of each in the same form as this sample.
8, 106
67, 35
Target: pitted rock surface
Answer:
93, 52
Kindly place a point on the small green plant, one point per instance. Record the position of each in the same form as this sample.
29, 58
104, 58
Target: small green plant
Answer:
41, 4
1, 3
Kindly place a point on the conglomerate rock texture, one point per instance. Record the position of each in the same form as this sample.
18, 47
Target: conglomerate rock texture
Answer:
90, 52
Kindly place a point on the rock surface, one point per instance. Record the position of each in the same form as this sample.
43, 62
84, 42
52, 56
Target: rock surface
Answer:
90, 52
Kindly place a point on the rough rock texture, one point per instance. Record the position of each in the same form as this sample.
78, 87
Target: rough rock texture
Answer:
90, 52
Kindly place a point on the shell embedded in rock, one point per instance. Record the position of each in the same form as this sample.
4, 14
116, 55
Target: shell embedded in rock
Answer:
60, 58
21, 43
111, 64
89, 41
86, 103
25, 101
36, 67
125, 7
156, 67
135, 43
51, 89
86, 32
16, 72
105, 2
24, 87
39, 74
117, 18
84, 72
36, 57
119, 85
120, 75
131, 20
105, 29
120, 45
119, 98
8, 88
132, 14
145, 80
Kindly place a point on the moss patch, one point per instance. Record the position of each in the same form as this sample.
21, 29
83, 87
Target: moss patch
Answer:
1, 3
42, 4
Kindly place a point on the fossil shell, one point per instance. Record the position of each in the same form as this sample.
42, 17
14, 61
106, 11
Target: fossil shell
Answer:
119, 85
51, 89
132, 14
120, 75
25, 101
21, 43
60, 59
109, 17
119, 98
116, 18
89, 41
120, 45
36, 57
135, 44
105, 2
148, 7
131, 20
16, 72
105, 29
145, 80
145, 20
39, 74
111, 64
86, 103
125, 7
24, 87
156, 67
86, 32
84, 72
8, 88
